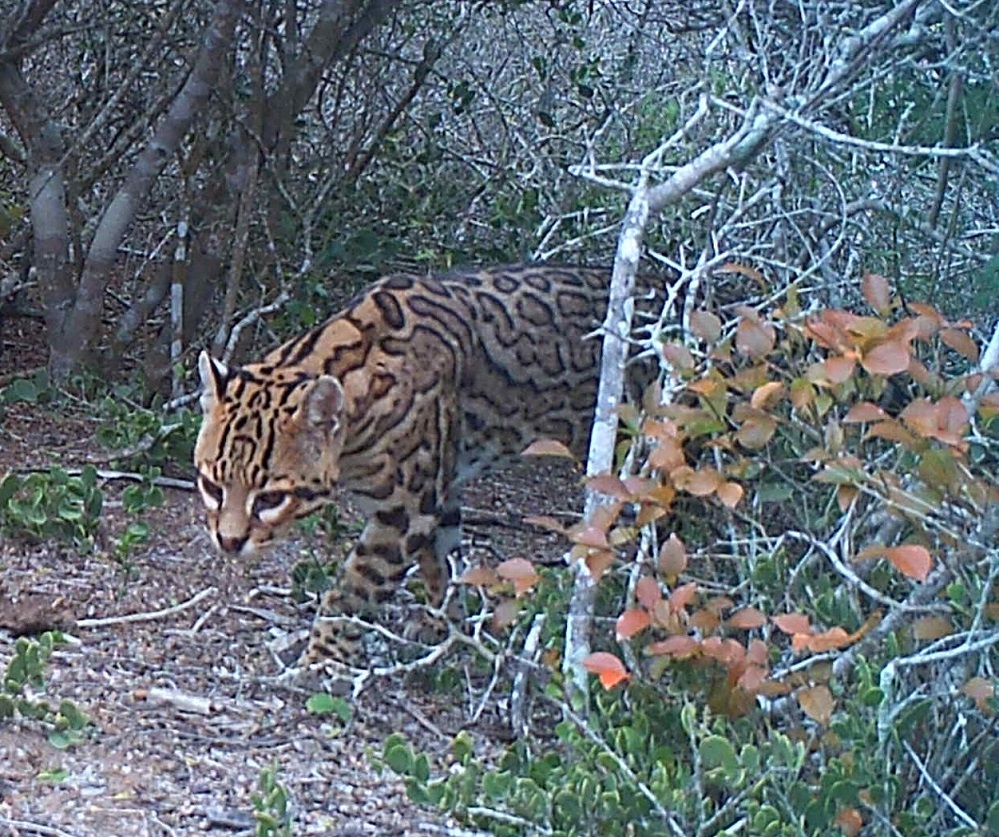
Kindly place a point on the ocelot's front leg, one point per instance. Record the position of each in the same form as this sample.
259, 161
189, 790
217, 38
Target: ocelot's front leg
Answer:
417, 525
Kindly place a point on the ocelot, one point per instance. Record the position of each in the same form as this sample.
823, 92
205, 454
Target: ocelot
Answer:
416, 386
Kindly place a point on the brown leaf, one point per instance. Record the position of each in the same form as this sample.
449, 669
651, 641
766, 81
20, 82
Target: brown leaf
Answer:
505, 614
480, 577
864, 412
888, 358
932, 627
543, 521
679, 356
839, 369
730, 493
979, 690
960, 343
753, 337
877, 292
705, 325
682, 596
521, 572
700, 483
746, 619
765, 397
647, 592
607, 667
672, 557
756, 432
610, 485
598, 561
817, 703
850, 822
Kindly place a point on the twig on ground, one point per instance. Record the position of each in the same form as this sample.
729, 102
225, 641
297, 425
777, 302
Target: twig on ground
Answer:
149, 616
35, 828
194, 704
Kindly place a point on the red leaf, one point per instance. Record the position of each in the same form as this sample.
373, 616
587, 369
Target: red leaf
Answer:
607, 667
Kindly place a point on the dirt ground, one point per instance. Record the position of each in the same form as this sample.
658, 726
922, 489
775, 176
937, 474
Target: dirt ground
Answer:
186, 705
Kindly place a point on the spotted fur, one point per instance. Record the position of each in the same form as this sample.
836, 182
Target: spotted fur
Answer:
416, 386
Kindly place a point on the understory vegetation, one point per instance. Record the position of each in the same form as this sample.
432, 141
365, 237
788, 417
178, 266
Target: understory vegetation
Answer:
778, 614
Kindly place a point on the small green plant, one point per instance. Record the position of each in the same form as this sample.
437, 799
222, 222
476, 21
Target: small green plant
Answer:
272, 806
34, 390
52, 504
323, 703
26, 673
136, 500
146, 436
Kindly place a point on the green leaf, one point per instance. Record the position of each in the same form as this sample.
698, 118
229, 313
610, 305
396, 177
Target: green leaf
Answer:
718, 752
399, 757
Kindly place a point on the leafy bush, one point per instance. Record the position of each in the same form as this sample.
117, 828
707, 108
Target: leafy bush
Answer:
796, 661
52, 504
25, 672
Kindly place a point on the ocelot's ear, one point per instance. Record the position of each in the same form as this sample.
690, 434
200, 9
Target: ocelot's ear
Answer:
214, 374
322, 406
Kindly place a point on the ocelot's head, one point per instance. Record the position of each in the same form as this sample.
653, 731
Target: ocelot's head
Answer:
268, 451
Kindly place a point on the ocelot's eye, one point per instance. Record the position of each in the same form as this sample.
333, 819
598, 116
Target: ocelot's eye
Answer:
267, 501
210, 490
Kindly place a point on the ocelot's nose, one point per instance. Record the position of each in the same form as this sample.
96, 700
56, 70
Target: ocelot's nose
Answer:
231, 545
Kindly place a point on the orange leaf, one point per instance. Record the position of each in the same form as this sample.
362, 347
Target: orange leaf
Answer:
672, 557
887, 358
682, 596
700, 483
865, 412
979, 690
828, 641
793, 623
751, 679
631, 622
480, 577
599, 561
705, 325
680, 647
521, 572
876, 292
610, 485
817, 703
730, 493
766, 396
547, 447
704, 621
647, 592
839, 369
850, 822
960, 343
746, 619
911, 560
607, 667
